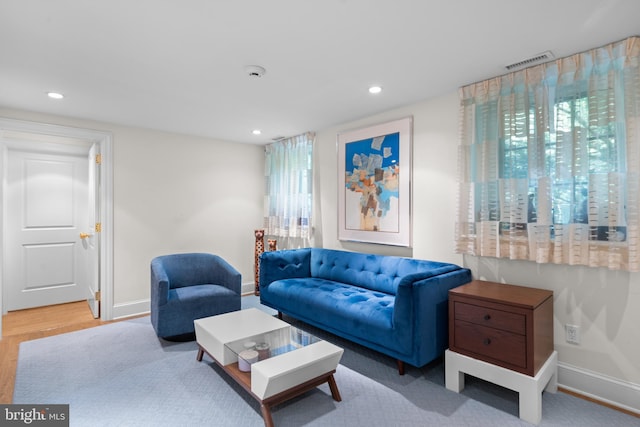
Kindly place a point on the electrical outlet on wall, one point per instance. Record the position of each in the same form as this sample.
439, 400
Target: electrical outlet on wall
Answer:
572, 333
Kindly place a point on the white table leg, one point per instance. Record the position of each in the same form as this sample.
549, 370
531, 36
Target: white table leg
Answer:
530, 405
528, 388
454, 377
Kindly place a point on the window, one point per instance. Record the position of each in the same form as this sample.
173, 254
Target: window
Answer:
570, 194
288, 199
549, 161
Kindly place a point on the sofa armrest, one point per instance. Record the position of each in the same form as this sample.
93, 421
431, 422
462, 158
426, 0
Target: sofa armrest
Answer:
422, 291
421, 306
284, 264
159, 284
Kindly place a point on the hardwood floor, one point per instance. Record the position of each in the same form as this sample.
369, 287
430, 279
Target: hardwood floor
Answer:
30, 324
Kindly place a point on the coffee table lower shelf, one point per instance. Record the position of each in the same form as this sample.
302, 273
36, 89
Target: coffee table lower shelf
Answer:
244, 380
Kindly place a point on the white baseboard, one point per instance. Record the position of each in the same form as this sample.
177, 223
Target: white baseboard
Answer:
622, 394
134, 308
248, 288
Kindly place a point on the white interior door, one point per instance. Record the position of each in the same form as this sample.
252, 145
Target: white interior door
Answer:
47, 210
91, 241
44, 137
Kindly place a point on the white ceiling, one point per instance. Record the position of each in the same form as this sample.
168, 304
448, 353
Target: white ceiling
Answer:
179, 66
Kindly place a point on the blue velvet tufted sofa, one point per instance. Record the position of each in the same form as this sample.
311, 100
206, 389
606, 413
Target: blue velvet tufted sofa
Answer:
395, 305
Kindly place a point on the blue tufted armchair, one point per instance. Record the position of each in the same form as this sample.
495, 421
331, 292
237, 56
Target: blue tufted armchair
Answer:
189, 286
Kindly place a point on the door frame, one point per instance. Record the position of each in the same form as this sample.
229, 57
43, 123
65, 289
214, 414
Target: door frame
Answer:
105, 140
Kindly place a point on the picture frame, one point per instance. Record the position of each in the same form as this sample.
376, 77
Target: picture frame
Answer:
374, 183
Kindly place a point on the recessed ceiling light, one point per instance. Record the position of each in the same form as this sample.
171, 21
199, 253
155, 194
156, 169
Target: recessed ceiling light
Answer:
256, 132
375, 89
55, 95
255, 71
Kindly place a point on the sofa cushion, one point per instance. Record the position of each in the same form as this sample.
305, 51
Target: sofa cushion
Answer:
197, 292
356, 311
193, 302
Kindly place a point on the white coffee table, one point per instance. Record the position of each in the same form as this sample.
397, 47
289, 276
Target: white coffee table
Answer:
296, 361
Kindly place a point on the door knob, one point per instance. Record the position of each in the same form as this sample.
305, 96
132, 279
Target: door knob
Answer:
84, 235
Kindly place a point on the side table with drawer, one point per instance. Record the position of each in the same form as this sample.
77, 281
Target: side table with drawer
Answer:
503, 334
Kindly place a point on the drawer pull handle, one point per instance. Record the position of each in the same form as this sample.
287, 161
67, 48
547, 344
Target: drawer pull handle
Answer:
487, 316
487, 341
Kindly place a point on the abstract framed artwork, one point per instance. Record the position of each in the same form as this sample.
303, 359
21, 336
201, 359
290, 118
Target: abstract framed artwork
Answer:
374, 184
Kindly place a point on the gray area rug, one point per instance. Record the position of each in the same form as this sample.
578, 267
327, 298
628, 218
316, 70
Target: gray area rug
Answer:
121, 374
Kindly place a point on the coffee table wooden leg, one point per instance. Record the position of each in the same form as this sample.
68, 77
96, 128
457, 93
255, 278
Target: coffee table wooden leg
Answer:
335, 393
200, 354
266, 415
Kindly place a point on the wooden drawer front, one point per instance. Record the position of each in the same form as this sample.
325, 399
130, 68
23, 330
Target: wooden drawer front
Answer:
498, 319
492, 343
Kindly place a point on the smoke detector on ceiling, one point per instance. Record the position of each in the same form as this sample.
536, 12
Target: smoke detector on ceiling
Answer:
537, 59
255, 71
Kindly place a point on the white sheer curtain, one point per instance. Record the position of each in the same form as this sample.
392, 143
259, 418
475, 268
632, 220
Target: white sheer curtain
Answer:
549, 162
288, 200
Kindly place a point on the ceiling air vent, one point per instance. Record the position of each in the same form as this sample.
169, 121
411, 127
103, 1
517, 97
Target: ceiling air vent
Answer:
538, 59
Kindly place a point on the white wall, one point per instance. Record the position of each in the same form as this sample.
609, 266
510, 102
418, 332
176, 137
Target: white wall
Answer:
605, 304
175, 193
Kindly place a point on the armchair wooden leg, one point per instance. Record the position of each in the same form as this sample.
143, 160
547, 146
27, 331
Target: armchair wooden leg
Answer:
400, 367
